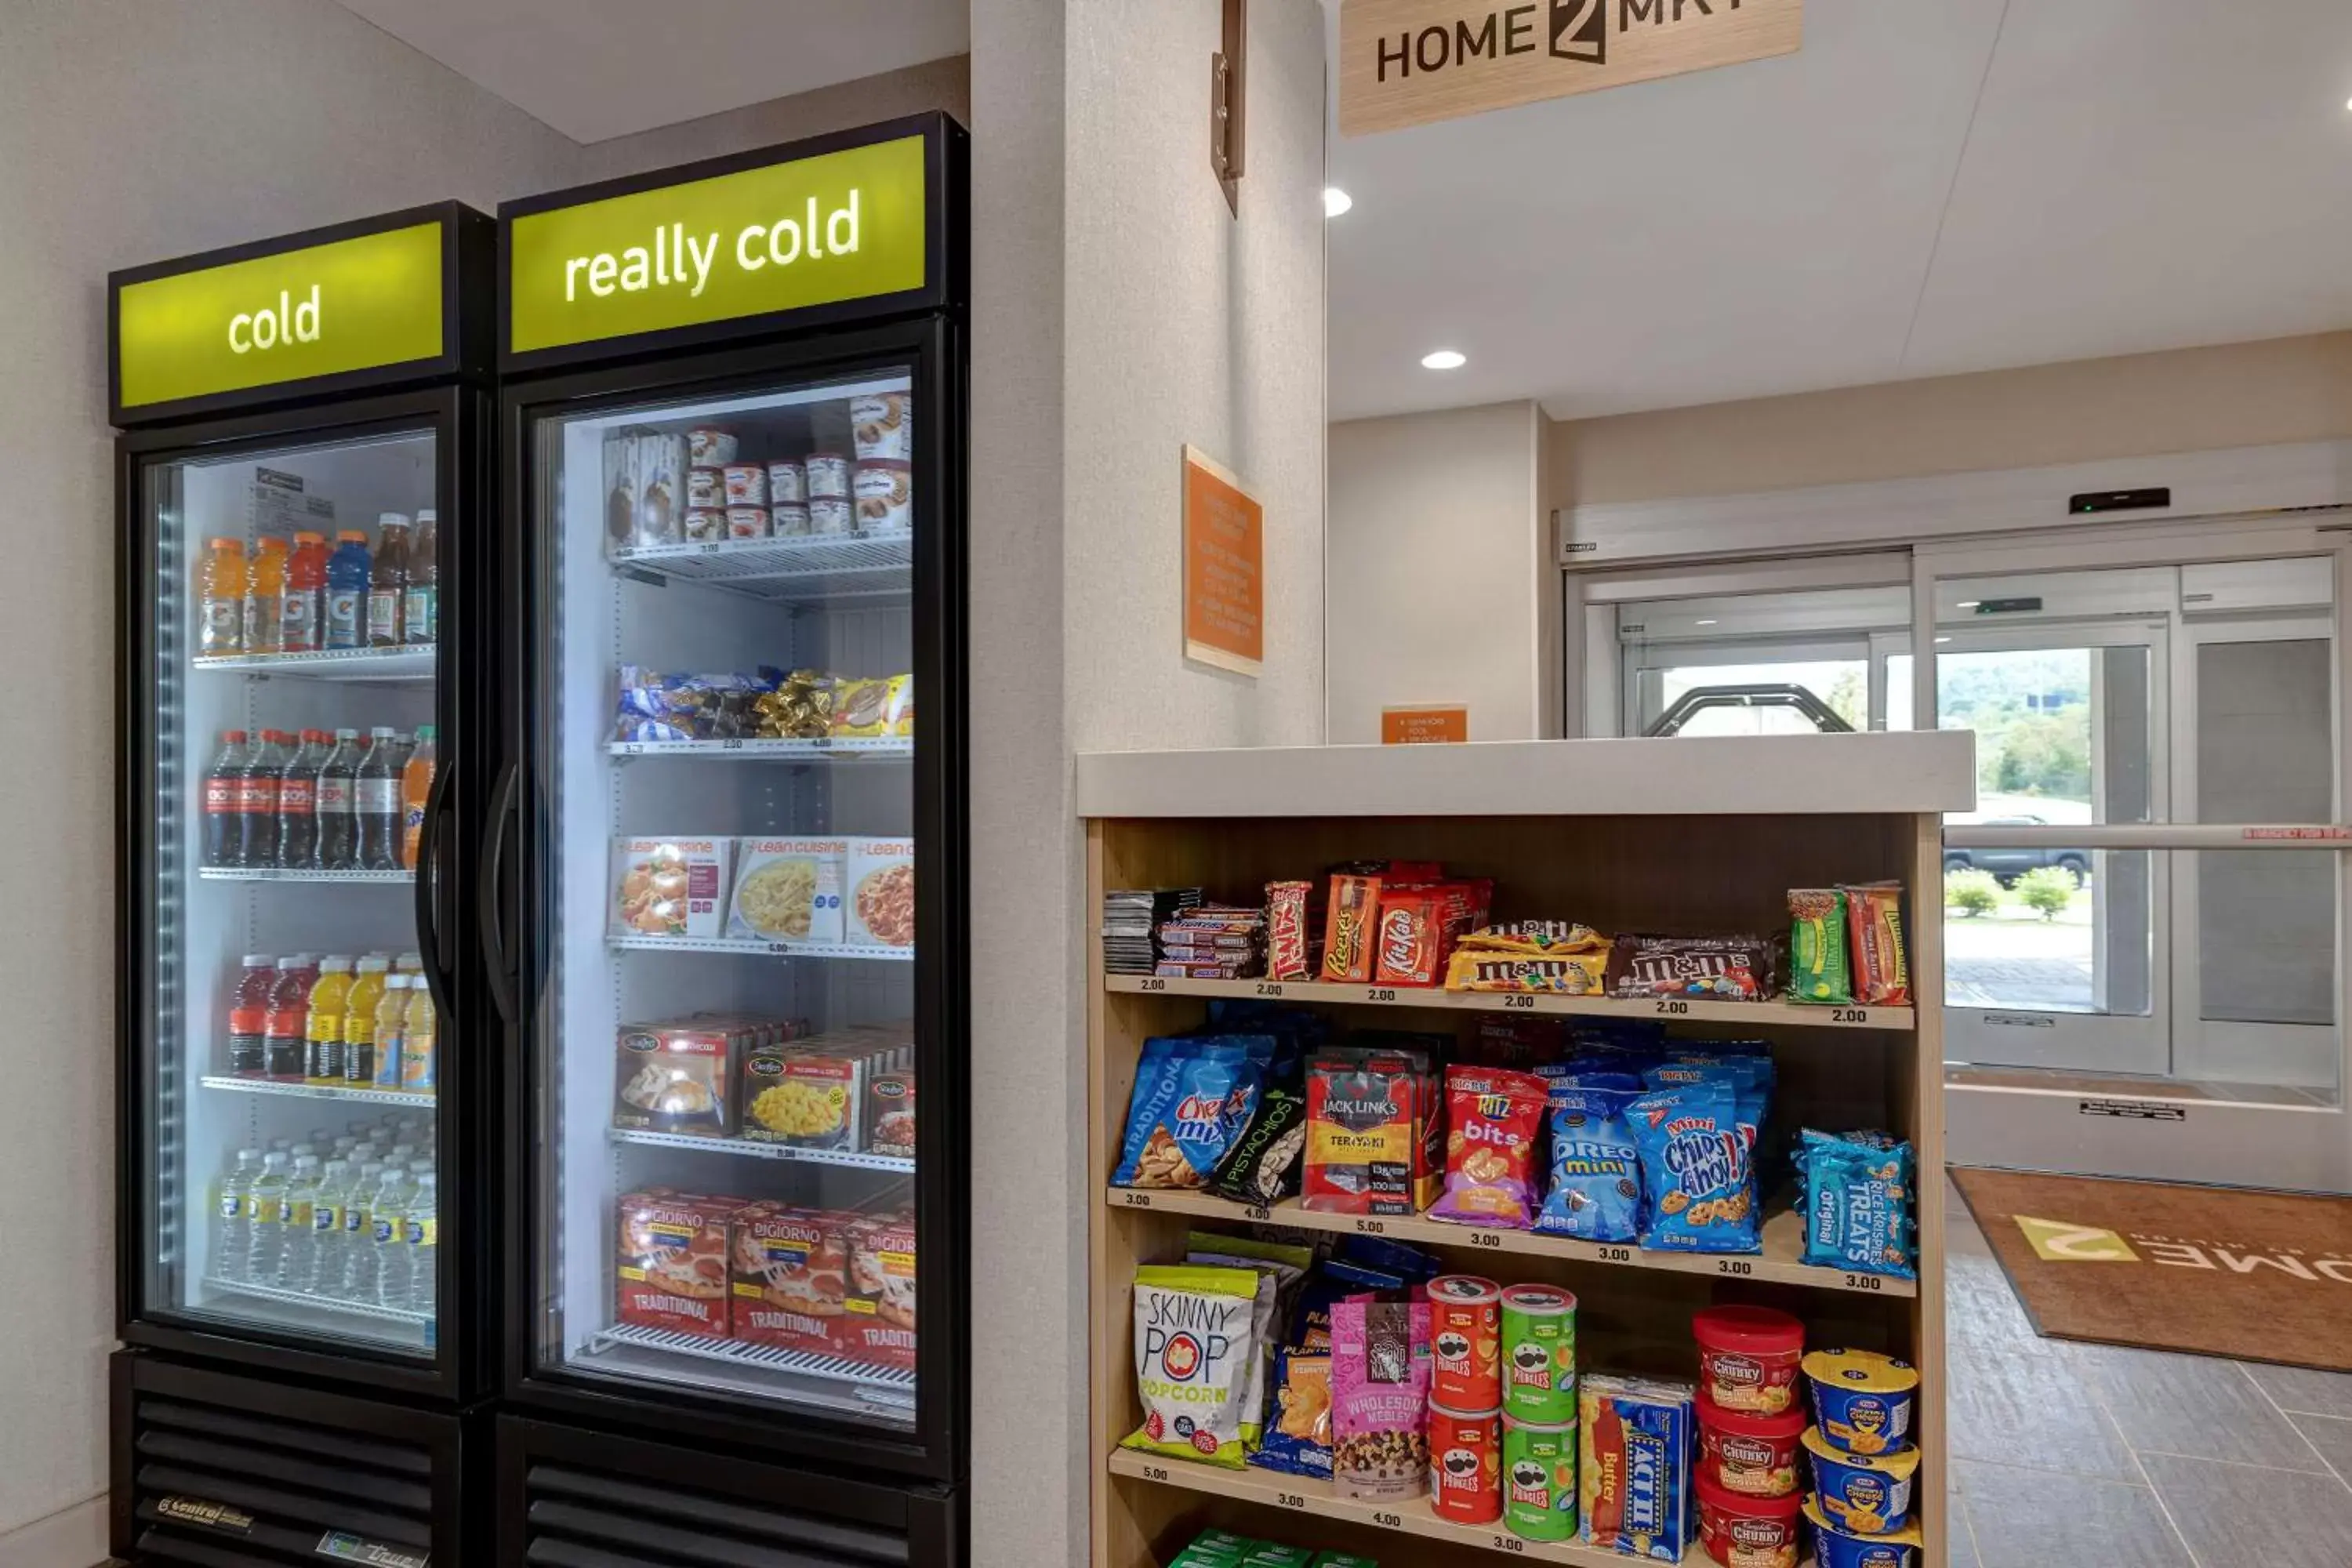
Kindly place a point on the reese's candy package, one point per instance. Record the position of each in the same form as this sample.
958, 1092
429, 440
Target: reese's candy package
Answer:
1348, 923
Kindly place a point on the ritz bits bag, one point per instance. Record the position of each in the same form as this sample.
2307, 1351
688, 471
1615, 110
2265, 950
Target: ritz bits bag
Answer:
1195, 1346
1495, 1116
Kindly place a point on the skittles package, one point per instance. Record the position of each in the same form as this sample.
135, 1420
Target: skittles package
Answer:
1699, 1172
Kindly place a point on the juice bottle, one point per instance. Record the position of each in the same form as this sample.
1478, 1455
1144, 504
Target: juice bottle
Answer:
416, 788
330, 1002
359, 1021
265, 596
419, 1066
300, 610
248, 1017
391, 1026
220, 596
420, 610
285, 1026
225, 801
387, 600
347, 591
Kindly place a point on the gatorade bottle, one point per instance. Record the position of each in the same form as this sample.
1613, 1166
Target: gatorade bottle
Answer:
225, 803
285, 1026
302, 609
387, 600
248, 1017
265, 594
416, 788
323, 1035
220, 597
375, 805
298, 801
359, 1022
419, 1068
347, 590
421, 611
332, 804
233, 1216
391, 1027
266, 1229
256, 818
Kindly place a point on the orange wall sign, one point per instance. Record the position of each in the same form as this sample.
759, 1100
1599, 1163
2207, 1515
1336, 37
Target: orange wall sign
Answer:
1225, 568
1424, 726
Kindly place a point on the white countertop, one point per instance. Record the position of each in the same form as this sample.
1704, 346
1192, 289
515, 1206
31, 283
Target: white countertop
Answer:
1929, 770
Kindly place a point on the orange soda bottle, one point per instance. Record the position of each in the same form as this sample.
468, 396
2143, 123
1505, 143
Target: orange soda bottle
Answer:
265, 594
416, 788
220, 597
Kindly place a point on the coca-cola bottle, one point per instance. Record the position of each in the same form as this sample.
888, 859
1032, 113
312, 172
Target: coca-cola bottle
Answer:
376, 804
225, 803
332, 804
257, 823
298, 797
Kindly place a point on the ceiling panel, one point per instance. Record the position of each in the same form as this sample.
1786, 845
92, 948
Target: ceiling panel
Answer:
600, 69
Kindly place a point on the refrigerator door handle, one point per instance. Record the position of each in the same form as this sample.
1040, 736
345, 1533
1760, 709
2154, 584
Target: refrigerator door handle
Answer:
500, 961
436, 926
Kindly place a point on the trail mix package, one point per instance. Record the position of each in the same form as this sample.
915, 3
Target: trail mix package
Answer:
1857, 1201
1379, 1391
1193, 1098
1493, 1118
1194, 1346
1596, 1167
1698, 1173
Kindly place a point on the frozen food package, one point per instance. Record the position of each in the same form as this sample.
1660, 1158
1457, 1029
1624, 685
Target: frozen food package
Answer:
673, 1078
709, 447
788, 889
653, 706
882, 424
890, 1113
669, 886
620, 491
660, 464
877, 1315
885, 493
672, 1267
805, 1096
880, 892
789, 1277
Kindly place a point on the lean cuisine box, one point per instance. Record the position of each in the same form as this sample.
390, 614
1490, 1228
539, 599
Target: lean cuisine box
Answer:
879, 892
669, 886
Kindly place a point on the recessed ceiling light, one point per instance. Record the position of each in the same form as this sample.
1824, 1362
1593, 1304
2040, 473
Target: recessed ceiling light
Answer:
1336, 201
1968, 603
1445, 359
1703, 623
1943, 639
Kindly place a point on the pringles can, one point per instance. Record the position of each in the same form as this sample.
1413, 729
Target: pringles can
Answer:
1466, 1342
1539, 1480
1538, 1366
1465, 1462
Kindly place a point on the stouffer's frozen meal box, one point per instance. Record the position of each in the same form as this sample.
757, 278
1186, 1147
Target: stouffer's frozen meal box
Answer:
816, 1093
672, 1078
878, 1320
673, 1262
788, 889
880, 892
669, 886
789, 1270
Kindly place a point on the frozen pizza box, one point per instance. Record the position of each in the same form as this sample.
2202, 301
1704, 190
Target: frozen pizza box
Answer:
672, 1265
789, 1274
879, 892
669, 886
788, 889
877, 1320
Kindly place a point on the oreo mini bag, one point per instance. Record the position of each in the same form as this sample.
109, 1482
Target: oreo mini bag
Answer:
1699, 1172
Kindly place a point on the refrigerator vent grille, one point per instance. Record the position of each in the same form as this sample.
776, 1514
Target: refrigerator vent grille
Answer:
218, 1487
580, 1518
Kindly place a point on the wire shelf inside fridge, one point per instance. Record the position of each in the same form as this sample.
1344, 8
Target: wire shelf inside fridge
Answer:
317, 1090
902, 1164
882, 1381
334, 1304
787, 571
298, 874
367, 664
757, 947
848, 749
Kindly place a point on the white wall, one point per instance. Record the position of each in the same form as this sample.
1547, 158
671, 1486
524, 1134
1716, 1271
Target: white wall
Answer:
131, 130
1120, 312
1438, 583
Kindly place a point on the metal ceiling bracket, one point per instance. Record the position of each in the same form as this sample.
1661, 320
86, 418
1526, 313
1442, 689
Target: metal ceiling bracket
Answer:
1228, 125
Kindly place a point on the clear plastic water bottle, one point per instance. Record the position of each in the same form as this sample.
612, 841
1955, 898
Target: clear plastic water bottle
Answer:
266, 1235
355, 1270
232, 1217
298, 1258
334, 1195
424, 1239
387, 1215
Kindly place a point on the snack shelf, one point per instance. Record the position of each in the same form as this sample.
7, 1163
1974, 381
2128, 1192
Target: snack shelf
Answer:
316, 1090
765, 1358
320, 1303
849, 749
274, 874
757, 947
1672, 1007
1412, 1516
901, 1165
369, 664
1776, 1264
786, 570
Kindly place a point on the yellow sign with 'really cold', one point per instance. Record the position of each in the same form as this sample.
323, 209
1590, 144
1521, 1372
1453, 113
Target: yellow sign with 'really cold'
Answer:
815, 231
325, 309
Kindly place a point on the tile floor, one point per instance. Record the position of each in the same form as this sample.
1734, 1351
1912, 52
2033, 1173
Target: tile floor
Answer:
2067, 1454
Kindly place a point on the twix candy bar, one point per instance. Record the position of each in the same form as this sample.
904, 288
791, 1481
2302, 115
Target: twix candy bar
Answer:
1348, 923
1286, 929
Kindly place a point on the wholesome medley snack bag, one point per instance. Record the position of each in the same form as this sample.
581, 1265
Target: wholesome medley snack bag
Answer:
1494, 1117
1193, 1098
1380, 1392
1596, 1167
1699, 1172
1195, 1345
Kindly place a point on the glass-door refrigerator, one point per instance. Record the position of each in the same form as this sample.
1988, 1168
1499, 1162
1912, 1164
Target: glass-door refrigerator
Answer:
306, 1195
732, 842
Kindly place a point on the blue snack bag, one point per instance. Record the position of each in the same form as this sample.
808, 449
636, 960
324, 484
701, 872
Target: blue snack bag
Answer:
1698, 1173
1857, 1201
1596, 1170
1191, 1100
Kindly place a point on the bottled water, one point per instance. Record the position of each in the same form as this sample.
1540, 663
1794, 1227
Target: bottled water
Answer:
297, 1259
423, 1235
232, 1217
387, 1215
355, 1276
326, 1274
266, 1235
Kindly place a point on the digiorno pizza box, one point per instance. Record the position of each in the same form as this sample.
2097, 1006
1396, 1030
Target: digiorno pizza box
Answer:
673, 1262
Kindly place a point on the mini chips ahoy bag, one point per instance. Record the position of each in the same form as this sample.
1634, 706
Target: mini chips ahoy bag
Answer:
1857, 1200
1596, 1168
1699, 1172
1193, 1098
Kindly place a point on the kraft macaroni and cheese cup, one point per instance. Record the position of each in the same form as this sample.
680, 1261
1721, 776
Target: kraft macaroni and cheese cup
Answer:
1540, 1357
1862, 1400
1836, 1548
1864, 1494
1539, 1479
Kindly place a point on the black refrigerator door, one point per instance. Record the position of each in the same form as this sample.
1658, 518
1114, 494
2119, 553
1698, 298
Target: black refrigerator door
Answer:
304, 719
732, 895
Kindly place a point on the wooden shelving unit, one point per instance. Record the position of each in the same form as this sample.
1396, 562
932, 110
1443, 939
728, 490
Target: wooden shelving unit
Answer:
1669, 836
